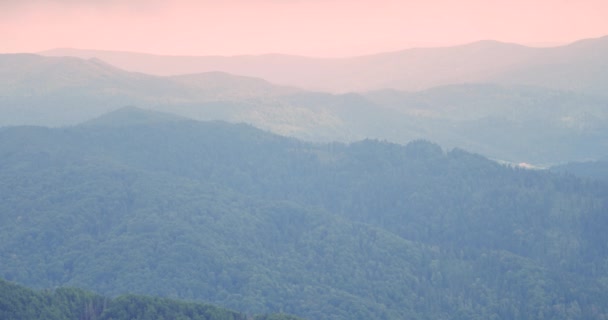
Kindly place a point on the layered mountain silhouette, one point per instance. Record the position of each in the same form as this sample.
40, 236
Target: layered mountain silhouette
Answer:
580, 66
516, 123
281, 184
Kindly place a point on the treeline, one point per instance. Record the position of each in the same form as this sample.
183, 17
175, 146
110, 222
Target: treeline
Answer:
21, 303
591, 169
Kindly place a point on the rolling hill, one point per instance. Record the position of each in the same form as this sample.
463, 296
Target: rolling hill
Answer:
515, 123
258, 223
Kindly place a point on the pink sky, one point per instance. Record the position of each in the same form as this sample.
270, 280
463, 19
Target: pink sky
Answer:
304, 27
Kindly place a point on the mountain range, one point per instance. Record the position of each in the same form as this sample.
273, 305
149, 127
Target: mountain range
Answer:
581, 66
509, 122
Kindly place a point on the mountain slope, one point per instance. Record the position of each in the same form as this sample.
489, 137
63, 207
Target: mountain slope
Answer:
223, 86
64, 90
508, 122
514, 123
59, 91
591, 170
130, 116
261, 223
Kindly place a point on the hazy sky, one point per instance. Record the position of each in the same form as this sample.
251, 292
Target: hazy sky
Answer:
305, 27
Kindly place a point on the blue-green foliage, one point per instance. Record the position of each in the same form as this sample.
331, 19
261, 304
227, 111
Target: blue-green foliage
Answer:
259, 223
17, 302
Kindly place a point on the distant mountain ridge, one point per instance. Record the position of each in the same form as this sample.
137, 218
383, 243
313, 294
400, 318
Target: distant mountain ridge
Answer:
66, 90
130, 115
579, 66
506, 122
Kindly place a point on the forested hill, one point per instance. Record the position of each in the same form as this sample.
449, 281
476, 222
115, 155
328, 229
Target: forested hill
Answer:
20, 303
259, 223
592, 169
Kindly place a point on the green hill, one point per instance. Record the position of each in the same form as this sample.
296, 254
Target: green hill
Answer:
260, 223
20, 303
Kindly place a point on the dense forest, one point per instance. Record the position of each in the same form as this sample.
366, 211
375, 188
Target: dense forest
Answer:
136, 202
20, 303
597, 170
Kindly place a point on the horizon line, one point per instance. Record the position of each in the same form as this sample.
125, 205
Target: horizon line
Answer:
539, 45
